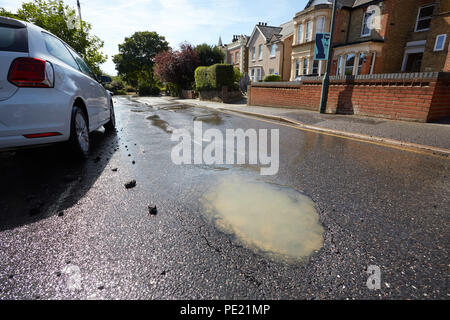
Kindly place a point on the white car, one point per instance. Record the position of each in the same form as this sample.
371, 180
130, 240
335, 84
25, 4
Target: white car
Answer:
48, 94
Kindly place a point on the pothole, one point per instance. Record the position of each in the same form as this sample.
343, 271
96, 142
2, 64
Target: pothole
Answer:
273, 220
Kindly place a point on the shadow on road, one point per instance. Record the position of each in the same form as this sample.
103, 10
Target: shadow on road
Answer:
38, 183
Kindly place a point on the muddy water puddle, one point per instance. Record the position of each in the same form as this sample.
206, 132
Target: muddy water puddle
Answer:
162, 124
212, 118
278, 222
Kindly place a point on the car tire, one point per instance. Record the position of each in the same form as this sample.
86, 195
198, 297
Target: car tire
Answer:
111, 124
79, 133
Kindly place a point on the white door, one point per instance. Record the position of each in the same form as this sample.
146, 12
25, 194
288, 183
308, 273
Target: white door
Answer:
63, 59
258, 74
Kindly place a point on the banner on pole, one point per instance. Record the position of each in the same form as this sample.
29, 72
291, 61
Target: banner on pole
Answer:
321, 46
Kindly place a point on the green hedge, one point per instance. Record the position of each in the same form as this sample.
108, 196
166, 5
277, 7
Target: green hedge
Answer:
272, 78
202, 81
214, 77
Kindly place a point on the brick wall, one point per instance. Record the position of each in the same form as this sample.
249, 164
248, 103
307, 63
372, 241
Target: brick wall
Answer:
413, 97
447, 61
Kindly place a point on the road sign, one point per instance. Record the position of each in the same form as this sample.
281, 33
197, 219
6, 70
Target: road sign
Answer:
322, 45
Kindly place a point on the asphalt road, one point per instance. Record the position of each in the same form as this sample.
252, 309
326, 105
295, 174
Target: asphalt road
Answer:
71, 230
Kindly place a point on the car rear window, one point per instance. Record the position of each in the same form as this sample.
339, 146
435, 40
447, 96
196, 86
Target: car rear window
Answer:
13, 39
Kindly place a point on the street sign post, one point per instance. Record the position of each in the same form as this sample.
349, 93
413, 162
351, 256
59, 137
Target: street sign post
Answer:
321, 46
326, 78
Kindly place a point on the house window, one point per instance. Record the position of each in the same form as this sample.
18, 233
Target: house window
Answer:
367, 23
305, 66
372, 66
339, 66
236, 60
424, 18
315, 68
308, 31
440, 42
260, 52
297, 68
300, 34
320, 25
361, 60
253, 54
252, 75
414, 62
258, 74
349, 64
273, 51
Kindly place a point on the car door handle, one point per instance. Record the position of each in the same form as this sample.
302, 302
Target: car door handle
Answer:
92, 84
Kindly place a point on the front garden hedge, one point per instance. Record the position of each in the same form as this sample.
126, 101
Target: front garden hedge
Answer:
214, 77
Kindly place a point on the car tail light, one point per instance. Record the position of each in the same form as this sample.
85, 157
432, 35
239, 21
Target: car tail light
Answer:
31, 72
42, 135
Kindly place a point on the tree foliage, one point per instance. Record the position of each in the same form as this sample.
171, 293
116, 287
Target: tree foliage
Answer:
57, 18
177, 66
209, 55
136, 57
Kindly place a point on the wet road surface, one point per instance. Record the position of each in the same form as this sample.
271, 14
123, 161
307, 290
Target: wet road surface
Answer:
72, 230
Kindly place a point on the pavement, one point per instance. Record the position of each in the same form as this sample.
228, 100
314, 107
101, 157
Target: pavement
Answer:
71, 230
429, 136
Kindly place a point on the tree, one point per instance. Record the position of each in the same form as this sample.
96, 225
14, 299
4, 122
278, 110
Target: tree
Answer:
136, 57
55, 17
209, 55
177, 67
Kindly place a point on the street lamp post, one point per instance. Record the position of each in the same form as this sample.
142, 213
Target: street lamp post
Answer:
79, 14
326, 78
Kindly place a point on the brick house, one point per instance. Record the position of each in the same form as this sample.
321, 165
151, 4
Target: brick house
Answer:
316, 17
391, 36
236, 52
268, 48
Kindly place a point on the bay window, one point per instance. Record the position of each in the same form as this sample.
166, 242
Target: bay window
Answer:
308, 31
300, 34
320, 25
349, 64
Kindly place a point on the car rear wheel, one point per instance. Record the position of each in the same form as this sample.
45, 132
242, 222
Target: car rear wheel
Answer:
111, 125
79, 133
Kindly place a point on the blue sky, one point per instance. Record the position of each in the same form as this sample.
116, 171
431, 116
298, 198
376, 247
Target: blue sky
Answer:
195, 21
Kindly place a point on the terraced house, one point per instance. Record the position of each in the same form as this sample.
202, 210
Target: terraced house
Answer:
236, 52
316, 17
391, 36
269, 50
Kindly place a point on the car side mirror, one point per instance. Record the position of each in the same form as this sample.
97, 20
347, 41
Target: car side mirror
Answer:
105, 79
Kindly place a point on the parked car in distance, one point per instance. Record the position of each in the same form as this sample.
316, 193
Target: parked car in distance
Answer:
48, 93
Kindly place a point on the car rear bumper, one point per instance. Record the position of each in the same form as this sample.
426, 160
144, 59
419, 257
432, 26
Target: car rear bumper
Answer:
34, 111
